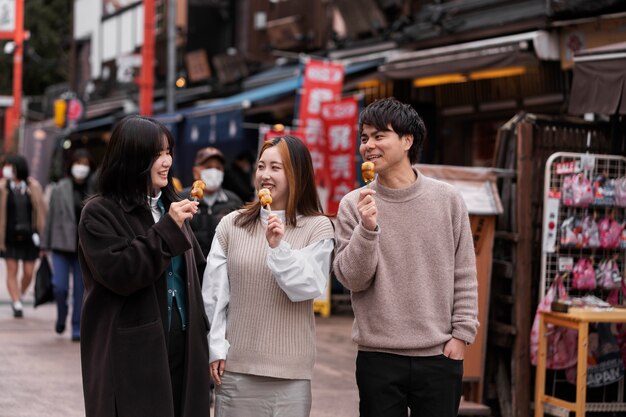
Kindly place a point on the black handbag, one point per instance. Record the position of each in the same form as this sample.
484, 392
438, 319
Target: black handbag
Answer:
43, 283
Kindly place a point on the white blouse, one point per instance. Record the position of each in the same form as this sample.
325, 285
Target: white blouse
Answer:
286, 265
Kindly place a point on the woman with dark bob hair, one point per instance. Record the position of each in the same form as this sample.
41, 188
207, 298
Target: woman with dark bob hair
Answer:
22, 217
264, 269
143, 328
60, 237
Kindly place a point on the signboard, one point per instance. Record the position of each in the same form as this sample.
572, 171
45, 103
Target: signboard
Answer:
75, 110
339, 119
603, 32
7, 15
323, 81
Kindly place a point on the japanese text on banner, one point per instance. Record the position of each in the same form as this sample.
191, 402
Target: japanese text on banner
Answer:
339, 120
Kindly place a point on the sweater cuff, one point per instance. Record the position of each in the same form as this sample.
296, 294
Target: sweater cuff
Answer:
172, 235
368, 234
465, 337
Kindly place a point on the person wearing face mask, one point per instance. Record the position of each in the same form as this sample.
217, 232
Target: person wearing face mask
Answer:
22, 216
216, 201
61, 238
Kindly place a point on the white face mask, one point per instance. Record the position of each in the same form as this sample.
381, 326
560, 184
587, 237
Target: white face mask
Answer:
7, 172
79, 171
212, 177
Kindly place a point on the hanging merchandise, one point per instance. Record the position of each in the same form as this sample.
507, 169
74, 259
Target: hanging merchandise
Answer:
603, 191
562, 342
608, 275
620, 192
576, 191
590, 233
584, 275
591, 239
571, 233
610, 233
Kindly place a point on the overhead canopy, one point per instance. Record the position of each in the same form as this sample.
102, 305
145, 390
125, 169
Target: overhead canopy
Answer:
599, 84
476, 185
507, 51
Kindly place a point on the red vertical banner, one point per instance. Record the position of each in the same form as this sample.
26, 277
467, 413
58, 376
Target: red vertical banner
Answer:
340, 123
323, 82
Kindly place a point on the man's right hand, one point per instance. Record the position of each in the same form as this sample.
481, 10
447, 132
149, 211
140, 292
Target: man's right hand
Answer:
367, 208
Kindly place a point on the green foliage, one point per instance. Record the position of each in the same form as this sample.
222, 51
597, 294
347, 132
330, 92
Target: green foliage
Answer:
46, 53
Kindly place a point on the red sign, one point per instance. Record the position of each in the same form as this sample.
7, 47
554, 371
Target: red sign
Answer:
323, 82
75, 109
340, 126
569, 167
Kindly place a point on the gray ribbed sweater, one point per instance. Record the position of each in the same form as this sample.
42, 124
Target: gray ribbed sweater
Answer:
413, 281
269, 334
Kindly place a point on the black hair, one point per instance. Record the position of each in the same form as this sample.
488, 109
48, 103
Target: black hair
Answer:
20, 165
135, 143
402, 118
77, 154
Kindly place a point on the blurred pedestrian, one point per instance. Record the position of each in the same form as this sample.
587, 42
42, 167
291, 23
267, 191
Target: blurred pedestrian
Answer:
216, 201
143, 330
264, 270
405, 250
238, 178
60, 236
22, 217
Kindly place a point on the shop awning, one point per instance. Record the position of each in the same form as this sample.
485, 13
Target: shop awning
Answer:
272, 91
519, 50
599, 84
477, 186
94, 123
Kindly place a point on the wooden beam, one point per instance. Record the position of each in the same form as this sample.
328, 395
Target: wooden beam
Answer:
520, 378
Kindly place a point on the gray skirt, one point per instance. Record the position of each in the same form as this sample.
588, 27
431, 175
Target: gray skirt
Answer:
243, 395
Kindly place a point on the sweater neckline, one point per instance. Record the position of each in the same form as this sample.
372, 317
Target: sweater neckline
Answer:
399, 195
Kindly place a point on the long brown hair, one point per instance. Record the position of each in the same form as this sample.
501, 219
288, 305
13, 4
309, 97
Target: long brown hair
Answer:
303, 198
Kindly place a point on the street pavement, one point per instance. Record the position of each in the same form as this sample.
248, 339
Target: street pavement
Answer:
40, 370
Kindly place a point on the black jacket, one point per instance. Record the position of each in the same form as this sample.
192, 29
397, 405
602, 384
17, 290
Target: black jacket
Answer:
123, 256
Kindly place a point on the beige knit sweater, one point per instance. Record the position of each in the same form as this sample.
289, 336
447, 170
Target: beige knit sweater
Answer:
413, 280
269, 334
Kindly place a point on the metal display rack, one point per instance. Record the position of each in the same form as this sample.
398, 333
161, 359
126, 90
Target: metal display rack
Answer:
556, 259
552, 262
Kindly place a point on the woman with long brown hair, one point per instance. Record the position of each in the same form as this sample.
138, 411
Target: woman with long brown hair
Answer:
265, 267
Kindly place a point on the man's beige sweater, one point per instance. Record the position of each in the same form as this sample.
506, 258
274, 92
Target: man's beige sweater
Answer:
413, 280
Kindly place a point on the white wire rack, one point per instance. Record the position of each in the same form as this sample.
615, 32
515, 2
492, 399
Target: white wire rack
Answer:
557, 261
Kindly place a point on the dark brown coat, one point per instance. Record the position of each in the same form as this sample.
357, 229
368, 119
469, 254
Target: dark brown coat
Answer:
123, 256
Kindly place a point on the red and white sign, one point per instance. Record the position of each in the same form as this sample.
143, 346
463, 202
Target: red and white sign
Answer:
569, 167
340, 124
323, 82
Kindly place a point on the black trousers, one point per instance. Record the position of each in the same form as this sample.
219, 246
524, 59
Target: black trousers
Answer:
390, 384
176, 357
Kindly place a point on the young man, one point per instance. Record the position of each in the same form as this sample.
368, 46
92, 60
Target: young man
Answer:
404, 248
216, 201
